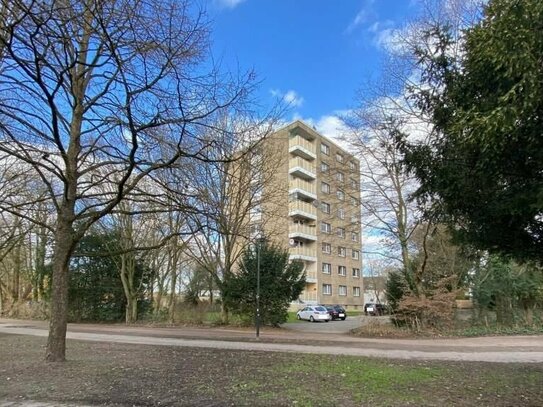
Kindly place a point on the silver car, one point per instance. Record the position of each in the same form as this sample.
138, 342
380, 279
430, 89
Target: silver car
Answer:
314, 313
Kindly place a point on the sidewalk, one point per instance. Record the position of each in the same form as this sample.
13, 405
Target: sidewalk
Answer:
507, 349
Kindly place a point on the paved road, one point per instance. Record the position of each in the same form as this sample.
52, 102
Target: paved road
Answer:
336, 327
522, 349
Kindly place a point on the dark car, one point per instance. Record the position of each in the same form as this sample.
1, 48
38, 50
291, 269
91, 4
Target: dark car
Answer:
374, 309
337, 312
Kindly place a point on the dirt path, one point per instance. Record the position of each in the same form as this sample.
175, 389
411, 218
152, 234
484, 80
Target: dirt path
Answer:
521, 349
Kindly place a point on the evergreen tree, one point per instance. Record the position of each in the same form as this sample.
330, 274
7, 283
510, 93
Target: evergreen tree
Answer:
483, 167
281, 282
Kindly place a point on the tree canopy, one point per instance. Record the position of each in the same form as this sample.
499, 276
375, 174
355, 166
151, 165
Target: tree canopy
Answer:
483, 165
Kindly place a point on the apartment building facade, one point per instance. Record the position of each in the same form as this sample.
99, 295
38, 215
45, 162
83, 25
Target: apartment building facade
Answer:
315, 213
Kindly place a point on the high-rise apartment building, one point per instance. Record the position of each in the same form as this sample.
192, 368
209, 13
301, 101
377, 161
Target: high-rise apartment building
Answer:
314, 210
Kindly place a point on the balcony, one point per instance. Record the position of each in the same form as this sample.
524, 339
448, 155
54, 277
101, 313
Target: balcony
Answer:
300, 146
302, 231
309, 297
302, 188
310, 277
302, 168
303, 253
302, 209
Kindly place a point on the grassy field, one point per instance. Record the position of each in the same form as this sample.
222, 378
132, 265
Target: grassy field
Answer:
127, 375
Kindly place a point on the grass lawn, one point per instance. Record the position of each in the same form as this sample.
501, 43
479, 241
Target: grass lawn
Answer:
126, 375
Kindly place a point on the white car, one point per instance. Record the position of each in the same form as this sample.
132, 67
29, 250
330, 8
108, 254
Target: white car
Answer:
314, 313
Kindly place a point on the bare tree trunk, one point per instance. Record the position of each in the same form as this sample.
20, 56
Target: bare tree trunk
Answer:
15, 288
132, 310
1, 299
210, 288
56, 342
173, 263
39, 266
171, 305
128, 271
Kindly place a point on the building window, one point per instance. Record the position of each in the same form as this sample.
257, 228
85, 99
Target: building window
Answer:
342, 270
326, 227
354, 201
341, 251
341, 213
324, 167
340, 195
339, 158
356, 272
352, 165
341, 232
325, 207
325, 187
327, 289
356, 254
354, 184
356, 291
327, 248
325, 149
255, 230
340, 177
354, 236
342, 290
326, 268
256, 210
354, 219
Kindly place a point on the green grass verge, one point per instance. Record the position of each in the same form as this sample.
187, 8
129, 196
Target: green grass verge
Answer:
317, 380
363, 380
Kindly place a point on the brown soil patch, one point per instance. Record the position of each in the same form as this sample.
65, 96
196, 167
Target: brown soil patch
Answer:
133, 375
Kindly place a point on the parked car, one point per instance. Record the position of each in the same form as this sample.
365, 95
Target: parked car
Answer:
374, 309
314, 313
336, 312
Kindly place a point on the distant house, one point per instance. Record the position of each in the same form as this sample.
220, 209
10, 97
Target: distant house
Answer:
375, 289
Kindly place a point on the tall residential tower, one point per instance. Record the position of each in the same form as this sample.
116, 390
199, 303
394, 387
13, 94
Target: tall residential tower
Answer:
314, 210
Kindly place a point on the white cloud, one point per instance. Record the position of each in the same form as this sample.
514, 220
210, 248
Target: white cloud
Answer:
364, 15
390, 39
329, 125
228, 3
386, 36
290, 97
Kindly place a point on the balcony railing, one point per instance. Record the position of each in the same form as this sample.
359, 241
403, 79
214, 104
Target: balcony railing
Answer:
303, 187
301, 208
299, 145
303, 231
303, 253
311, 276
302, 168
309, 296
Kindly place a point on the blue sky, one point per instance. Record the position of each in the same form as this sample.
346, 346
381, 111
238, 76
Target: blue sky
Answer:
313, 53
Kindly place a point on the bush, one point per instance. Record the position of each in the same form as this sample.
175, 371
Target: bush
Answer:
417, 313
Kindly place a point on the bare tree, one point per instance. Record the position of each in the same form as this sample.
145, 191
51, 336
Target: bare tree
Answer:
387, 211
22, 243
385, 115
104, 93
232, 197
